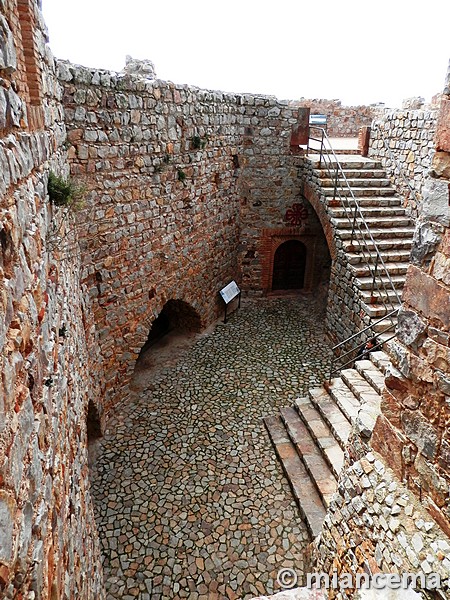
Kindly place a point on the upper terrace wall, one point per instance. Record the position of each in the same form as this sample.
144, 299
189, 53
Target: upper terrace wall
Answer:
343, 121
47, 532
403, 141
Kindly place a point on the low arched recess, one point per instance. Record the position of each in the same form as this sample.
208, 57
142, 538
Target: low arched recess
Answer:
175, 314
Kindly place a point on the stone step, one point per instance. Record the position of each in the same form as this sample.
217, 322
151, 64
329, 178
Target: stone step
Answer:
373, 202
372, 222
359, 192
376, 311
365, 283
338, 423
389, 326
323, 436
381, 360
393, 268
308, 500
393, 233
388, 297
375, 182
344, 398
371, 373
389, 256
361, 388
310, 453
370, 212
395, 244
350, 162
353, 173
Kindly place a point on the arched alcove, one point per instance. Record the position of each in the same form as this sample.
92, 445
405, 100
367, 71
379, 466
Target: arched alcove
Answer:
94, 431
289, 264
170, 332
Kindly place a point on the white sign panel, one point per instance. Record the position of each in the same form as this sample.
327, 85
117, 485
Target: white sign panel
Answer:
229, 292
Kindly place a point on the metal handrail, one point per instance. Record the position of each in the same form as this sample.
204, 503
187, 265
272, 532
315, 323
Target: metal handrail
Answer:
375, 125
359, 225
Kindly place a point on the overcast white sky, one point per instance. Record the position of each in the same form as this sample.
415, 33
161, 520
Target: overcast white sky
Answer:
358, 51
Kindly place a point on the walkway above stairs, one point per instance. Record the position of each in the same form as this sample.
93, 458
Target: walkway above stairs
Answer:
310, 436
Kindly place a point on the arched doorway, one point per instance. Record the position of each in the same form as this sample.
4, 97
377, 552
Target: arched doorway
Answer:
289, 264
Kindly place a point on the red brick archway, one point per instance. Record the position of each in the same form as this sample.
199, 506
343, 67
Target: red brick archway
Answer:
288, 269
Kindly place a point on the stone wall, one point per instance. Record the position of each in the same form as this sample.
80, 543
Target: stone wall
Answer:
188, 189
342, 121
391, 512
403, 141
48, 546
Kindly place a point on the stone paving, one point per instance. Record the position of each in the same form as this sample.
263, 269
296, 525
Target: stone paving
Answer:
189, 497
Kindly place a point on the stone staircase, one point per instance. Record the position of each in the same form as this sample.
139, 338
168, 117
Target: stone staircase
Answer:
310, 437
391, 228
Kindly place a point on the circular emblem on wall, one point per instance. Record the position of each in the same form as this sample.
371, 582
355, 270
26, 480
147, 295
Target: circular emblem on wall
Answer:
296, 214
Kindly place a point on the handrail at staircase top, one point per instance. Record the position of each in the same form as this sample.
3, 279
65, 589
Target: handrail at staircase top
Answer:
327, 161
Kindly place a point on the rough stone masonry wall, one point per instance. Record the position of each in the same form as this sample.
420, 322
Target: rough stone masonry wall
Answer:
344, 310
403, 141
392, 509
166, 166
48, 546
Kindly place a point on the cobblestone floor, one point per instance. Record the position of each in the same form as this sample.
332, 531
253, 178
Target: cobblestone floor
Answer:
190, 499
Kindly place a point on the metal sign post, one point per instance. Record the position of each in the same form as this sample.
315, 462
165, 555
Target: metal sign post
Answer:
229, 293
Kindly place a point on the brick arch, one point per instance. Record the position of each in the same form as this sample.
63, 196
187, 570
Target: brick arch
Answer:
178, 308
320, 209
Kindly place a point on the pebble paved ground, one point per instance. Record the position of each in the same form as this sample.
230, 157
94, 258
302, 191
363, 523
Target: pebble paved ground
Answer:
189, 497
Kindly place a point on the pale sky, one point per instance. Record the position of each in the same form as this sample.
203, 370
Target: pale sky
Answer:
358, 51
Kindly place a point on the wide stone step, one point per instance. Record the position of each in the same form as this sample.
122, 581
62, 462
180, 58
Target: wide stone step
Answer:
400, 256
370, 201
395, 244
381, 360
329, 447
376, 311
371, 373
344, 398
346, 162
353, 173
359, 191
338, 423
387, 326
393, 268
392, 222
381, 282
310, 453
388, 297
393, 233
369, 212
360, 387
357, 182
308, 500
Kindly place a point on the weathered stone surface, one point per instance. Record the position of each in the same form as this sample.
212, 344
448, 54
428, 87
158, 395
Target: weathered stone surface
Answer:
8, 59
443, 127
418, 429
436, 201
410, 327
441, 164
424, 294
425, 242
144, 68
7, 518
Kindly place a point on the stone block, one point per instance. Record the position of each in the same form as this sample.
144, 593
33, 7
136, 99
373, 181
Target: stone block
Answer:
435, 203
424, 294
410, 327
441, 164
443, 126
7, 517
425, 241
421, 432
8, 58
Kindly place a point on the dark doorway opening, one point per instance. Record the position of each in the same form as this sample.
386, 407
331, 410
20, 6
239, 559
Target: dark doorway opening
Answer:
94, 432
289, 266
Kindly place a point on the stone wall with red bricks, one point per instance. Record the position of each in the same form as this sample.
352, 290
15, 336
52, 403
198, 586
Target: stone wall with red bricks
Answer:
413, 432
48, 546
391, 512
